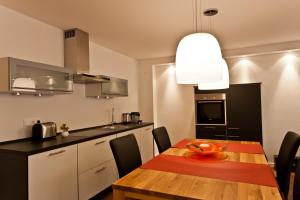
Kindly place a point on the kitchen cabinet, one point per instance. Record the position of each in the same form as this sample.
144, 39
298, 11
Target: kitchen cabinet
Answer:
96, 166
243, 102
94, 152
23, 76
96, 179
75, 167
243, 113
53, 174
146, 140
216, 132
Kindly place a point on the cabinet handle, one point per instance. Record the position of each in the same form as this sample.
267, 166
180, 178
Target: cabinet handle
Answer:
210, 127
233, 136
219, 135
147, 129
97, 143
100, 170
233, 128
55, 153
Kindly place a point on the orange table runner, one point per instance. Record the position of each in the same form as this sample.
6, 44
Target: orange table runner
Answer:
230, 146
259, 174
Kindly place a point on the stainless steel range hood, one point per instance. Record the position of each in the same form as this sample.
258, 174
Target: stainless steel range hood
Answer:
76, 57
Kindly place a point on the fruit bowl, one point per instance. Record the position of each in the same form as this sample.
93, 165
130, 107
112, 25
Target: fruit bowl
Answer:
205, 148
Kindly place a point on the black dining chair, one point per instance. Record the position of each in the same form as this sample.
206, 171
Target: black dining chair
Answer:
126, 153
161, 138
296, 191
284, 162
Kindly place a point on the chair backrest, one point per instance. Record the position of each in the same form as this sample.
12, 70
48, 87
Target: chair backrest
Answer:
126, 153
296, 192
284, 162
161, 138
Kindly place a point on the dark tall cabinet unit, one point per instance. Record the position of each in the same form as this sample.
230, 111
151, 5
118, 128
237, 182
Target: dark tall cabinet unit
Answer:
243, 112
243, 103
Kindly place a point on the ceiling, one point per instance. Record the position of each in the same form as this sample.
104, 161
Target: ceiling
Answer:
152, 28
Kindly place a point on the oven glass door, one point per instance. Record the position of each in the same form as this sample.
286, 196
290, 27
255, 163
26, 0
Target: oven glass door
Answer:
211, 112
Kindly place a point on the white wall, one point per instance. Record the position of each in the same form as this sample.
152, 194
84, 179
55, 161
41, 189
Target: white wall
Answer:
279, 74
146, 85
280, 77
173, 104
27, 38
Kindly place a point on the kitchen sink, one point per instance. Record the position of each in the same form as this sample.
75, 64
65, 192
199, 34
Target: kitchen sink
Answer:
100, 130
114, 127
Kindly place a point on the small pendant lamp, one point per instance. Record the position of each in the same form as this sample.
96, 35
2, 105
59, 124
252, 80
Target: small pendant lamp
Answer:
213, 85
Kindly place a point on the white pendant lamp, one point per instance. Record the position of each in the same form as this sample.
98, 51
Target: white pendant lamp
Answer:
199, 59
213, 85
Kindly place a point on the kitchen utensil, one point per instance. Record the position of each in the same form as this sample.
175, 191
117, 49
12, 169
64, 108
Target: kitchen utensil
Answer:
43, 130
126, 118
205, 148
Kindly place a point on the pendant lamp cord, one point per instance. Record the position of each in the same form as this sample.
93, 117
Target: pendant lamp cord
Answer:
200, 15
195, 19
195, 16
210, 25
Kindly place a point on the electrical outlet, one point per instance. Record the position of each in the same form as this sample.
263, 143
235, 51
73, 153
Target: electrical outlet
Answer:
30, 121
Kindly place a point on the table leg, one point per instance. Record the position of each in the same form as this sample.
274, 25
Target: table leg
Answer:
118, 195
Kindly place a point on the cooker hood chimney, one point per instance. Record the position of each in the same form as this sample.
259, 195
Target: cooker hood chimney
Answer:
76, 56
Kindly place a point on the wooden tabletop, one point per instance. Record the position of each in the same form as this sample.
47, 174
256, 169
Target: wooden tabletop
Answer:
156, 185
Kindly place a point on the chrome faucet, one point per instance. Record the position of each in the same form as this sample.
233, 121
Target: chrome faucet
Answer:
112, 116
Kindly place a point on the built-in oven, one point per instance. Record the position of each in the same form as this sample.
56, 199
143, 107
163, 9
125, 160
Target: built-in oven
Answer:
210, 109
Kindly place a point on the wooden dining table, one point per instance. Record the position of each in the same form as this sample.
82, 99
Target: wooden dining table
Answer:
153, 184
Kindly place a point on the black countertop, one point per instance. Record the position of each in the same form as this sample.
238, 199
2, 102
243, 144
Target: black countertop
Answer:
29, 146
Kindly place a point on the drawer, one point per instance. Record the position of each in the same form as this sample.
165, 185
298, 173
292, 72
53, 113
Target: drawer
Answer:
53, 174
211, 132
237, 133
93, 153
234, 133
213, 136
97, 179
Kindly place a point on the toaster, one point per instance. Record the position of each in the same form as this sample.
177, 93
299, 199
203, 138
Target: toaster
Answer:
43, 130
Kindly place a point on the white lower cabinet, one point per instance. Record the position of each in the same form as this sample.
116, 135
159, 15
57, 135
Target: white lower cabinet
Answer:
96, 167
52, 175
146, 140
81, 170
94, 152
97, 179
